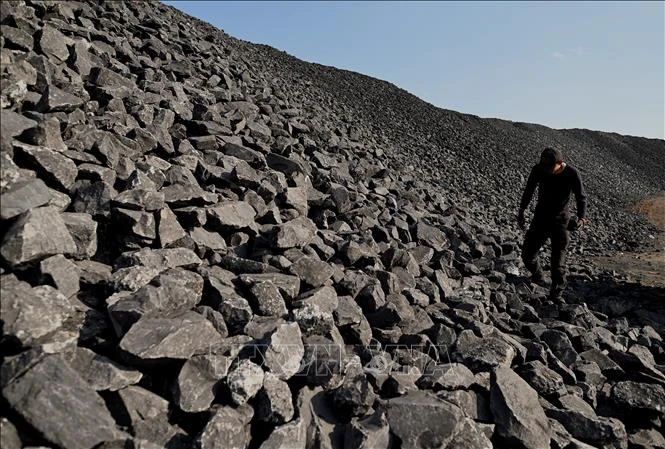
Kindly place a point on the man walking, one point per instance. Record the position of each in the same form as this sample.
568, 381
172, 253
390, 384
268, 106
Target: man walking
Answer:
555, 181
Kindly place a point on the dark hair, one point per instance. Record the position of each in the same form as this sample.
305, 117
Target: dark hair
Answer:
550, 156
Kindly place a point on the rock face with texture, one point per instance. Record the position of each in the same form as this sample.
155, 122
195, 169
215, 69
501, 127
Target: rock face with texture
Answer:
519, 417
208, 243
37, 234
57, 402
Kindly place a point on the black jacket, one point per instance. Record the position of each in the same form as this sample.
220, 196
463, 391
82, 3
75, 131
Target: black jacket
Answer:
554, 192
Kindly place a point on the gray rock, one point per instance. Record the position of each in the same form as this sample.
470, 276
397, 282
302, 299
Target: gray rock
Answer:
289, 286
355, 396
226, 429
170, 338
275, 404
312, 271
17, 38
31, 314
420, 419
639, 398
9, 438
450, 376
544, 380
371, 432
470, 435
431, 236
267, 300
139, 199
62, 273
167, 295
517, 413
55, 169
100, 372
48, 394
57, 100
232, 214
141, 224
23, 196
244, 381
199, 381
323, 361
590, 428
215, 318
207, 240
148, 416
284, 351
483, 354
294, 233
83, 229
162, 259
646, 439
169, 230
53, 43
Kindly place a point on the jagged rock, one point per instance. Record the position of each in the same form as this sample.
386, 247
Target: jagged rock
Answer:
646, 439
148, 416
289, 286
62, 273
312, 271
139, 199
30, 314
36, 234
639, 398
207, 240
544, 380
322, 361
49, 395
83, 229
232, 214
370, 432
519, 417
100, 372
244, 381
55, 169
295, 233
168, 228
168, 294
23, 196
53, 43
57, 100
163, 259
199, 381
215, 318
585, 425
452, 376
419, 419
470, 435
170, 338
274, 400
284, 351
482, 354
226, 429
267, 300
9, 438
46, 134
355, 396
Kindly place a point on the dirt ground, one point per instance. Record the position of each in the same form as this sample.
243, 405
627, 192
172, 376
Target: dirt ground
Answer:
646, 268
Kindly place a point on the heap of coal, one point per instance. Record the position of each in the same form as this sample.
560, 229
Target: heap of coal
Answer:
208, 243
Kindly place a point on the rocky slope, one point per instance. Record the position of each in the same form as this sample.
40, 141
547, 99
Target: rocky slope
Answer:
207, 243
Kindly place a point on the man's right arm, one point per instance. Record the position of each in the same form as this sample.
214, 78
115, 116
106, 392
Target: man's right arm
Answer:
530, 188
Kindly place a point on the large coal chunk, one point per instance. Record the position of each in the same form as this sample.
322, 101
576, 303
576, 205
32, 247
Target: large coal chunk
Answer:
170, 338
518, 415
37, 234
49, 395
31, 314
419, 419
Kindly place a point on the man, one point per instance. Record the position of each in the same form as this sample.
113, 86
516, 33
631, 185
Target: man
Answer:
555, 181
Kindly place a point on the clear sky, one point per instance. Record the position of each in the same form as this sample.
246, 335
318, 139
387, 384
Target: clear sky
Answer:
595, 65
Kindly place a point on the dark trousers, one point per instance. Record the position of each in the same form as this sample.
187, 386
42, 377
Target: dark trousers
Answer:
541, 229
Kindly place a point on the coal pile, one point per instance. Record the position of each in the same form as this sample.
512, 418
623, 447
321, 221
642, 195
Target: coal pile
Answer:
210, 244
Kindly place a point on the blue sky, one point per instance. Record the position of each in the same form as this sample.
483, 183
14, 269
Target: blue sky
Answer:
595, 65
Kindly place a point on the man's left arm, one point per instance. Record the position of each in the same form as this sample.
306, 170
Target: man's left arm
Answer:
580, 199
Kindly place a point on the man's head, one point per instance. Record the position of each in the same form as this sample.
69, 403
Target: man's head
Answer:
551, 159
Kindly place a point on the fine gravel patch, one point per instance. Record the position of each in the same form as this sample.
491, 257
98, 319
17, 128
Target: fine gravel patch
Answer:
209, 243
